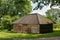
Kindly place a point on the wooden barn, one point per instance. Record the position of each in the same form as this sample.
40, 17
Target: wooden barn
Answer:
33, 23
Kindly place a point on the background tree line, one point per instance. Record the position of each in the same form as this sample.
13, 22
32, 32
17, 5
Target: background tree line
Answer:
11, 10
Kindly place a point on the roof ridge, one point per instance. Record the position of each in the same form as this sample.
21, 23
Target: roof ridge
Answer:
37, 18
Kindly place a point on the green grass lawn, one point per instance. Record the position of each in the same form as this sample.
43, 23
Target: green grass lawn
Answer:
10, 35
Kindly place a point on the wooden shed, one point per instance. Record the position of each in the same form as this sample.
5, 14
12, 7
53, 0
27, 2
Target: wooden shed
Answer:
33, 23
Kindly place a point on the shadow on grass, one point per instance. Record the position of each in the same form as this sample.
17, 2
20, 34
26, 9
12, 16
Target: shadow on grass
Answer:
11, 32
30, 35
56, 30
6, 38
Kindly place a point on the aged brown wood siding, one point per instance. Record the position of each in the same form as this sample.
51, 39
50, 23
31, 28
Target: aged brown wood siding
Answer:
42, 28
31, 29
35, 29
17, 28
26, 29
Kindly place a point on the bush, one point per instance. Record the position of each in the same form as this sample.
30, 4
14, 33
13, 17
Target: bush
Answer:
57, 25
6, 22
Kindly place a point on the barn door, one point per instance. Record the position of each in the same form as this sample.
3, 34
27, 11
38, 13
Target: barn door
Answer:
20, 28
28, 30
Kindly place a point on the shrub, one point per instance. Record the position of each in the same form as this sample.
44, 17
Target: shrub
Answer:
57, 25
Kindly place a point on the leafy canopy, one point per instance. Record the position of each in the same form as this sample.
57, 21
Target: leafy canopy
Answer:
11, 10
41, 3
53, 14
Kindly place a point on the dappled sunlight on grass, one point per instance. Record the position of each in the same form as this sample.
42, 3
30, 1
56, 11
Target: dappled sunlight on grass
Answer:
56, 28
6, 34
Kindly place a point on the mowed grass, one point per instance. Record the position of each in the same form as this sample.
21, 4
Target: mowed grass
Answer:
10, 35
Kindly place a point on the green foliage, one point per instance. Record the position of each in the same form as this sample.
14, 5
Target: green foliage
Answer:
14, 7
23, 5
6, 21
41, 3
53, 14
11, 10
11, 35
57, 25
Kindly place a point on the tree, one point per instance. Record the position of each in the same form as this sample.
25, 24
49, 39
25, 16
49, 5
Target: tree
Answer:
41, 3
0, 2
6, 21
23, 6
10, 10
14, 7
53, 14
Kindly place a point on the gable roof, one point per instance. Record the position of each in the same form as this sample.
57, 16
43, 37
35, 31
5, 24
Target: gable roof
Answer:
33, 19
